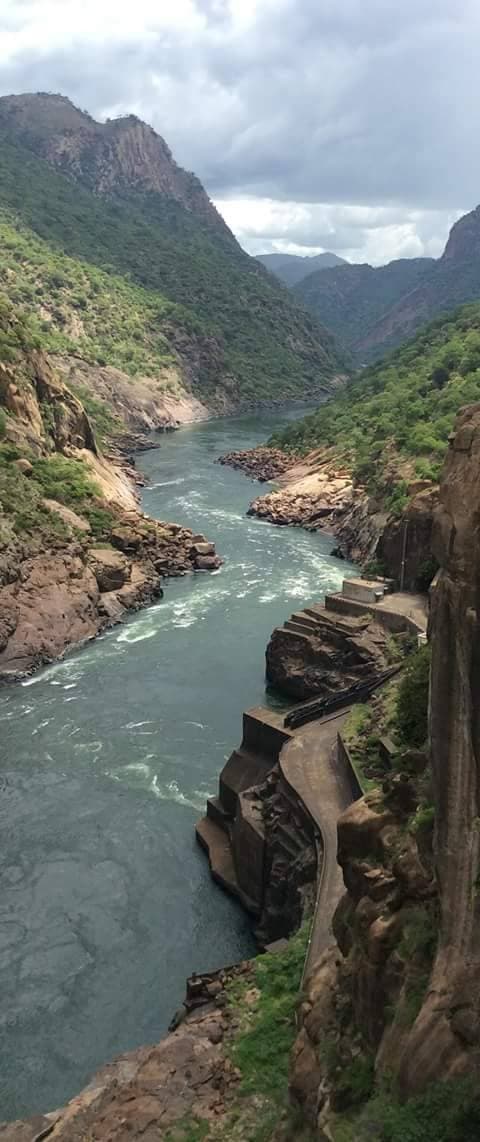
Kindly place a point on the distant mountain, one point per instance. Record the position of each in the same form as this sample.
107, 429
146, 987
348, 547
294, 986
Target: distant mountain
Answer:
353, 299
291, 268
373, 310
127, 234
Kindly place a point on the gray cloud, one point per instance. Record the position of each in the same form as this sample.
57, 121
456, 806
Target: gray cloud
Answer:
364, 103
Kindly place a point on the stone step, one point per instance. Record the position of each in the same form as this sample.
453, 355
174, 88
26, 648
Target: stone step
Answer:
217, 813
299, 627
305, 619
316, 611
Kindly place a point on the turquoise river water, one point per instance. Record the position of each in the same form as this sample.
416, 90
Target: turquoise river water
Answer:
107, 759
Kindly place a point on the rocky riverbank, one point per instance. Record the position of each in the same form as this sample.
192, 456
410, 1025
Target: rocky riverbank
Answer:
69, 592
318, 492
220, 1074
76, 552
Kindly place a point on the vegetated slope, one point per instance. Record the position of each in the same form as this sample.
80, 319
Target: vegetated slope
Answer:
352, 299
400, 410
250, 341
292, 268
78, 308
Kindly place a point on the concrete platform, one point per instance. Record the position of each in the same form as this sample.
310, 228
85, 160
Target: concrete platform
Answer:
217, 846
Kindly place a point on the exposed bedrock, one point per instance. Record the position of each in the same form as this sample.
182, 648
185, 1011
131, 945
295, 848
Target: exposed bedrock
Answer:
318, 653
262, 464
318, 493
58, 597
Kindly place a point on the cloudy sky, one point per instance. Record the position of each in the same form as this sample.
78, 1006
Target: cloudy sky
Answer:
348, 125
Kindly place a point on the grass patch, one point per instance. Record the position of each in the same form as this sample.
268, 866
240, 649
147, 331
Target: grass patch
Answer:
261, 1051
65, 480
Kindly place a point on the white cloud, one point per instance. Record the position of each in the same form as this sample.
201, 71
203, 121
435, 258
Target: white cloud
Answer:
357, 233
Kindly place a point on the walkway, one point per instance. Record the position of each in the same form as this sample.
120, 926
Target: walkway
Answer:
309, 764
414, 607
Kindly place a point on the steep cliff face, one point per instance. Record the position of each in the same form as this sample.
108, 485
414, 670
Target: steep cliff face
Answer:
400, 998
121, 154
446, 1037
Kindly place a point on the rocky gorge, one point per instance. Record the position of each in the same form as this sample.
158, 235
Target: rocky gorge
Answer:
389, 998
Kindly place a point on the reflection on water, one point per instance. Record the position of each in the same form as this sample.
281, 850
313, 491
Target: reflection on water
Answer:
107, 760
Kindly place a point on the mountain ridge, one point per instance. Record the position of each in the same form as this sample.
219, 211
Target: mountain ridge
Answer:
292, 268
240, 335
373, 309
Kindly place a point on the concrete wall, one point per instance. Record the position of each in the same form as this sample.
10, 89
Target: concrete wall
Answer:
345, 762
248, 848
389, 620
261, 735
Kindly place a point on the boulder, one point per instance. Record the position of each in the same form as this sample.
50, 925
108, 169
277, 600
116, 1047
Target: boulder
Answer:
203, 549
360, 826
207, 562
24, 466
110, 568
70, 518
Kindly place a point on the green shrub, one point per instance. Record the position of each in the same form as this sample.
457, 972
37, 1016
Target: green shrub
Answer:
355, 1083
65, 480
262, 1051
447, 1112
412, 701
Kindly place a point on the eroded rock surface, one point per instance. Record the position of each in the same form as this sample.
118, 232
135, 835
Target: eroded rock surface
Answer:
334, 653
445, 1039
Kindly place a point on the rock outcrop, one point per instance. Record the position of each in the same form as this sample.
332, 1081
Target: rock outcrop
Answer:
317, 653
53, 599
262, 464
310, 492
362, 997
320, 494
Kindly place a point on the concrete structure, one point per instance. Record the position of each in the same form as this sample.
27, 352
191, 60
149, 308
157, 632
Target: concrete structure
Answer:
364, 590
397, 612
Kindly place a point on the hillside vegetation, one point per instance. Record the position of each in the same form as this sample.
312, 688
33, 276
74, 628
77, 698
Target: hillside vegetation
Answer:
402, 409
187, 288
78, 308
352, 299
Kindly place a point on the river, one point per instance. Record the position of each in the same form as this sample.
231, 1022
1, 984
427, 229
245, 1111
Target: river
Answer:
106, 903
